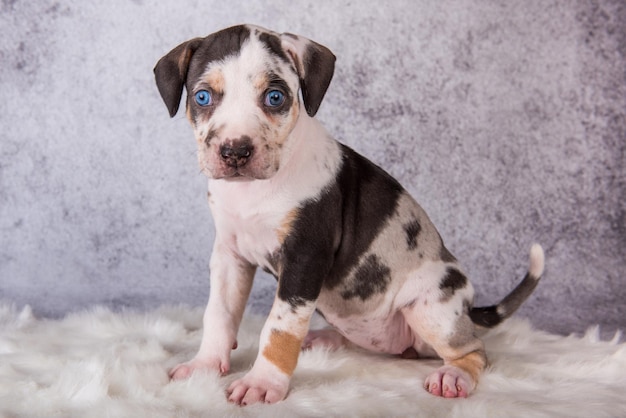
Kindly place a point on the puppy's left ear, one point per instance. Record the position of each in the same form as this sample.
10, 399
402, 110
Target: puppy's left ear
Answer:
315, 65
171, 73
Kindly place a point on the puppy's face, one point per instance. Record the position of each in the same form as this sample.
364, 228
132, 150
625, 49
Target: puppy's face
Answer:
242, 95
242, 110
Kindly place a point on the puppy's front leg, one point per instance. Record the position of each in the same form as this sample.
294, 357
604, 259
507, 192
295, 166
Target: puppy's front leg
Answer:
231, 281
281, 340
299, 285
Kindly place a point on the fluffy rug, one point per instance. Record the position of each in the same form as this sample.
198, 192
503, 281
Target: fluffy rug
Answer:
104, 364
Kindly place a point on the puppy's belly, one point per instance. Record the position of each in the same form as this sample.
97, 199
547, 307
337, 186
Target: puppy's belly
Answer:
389, 334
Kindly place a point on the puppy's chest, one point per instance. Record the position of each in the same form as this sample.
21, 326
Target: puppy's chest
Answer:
252, 231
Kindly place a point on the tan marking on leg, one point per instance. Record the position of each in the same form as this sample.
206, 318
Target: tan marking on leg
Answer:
282, 350
286, 225
473, 363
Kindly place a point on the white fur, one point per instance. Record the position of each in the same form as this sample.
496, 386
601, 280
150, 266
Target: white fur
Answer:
98, 363
536, 261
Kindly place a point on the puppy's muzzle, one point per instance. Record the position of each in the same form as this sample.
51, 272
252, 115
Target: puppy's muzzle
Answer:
236, 154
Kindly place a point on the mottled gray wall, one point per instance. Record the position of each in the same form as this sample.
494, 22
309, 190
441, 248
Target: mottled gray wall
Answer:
505, 119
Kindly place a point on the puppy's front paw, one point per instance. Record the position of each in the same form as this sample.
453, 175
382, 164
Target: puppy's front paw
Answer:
251, 389
185, 370
449, 382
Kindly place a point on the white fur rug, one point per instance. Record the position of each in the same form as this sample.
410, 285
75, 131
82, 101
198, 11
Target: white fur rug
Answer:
103, 364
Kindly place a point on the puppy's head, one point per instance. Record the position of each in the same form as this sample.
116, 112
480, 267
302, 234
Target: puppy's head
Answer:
242, 95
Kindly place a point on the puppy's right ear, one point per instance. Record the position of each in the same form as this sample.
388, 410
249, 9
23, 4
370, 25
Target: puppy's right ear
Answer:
171, 73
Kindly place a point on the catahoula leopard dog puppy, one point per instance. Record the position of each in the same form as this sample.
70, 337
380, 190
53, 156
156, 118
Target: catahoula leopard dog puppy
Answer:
340, 234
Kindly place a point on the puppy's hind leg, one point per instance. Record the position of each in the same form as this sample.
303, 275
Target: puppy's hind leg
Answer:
445, 325
328, 338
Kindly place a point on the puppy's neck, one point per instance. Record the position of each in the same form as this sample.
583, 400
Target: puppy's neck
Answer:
311, 154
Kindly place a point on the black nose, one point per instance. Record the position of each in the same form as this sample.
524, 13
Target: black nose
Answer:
236, 154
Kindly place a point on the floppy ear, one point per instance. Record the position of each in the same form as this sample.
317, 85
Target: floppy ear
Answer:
315, 65
171, 73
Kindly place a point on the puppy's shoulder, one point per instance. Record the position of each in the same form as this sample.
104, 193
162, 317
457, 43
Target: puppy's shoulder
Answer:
359, 173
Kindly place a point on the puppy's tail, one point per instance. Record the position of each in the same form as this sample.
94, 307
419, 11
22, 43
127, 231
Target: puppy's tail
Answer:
490, 316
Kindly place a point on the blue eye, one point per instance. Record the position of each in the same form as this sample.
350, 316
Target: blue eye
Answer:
203, 98
274, 98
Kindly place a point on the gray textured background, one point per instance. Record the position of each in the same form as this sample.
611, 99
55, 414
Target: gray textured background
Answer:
506, 120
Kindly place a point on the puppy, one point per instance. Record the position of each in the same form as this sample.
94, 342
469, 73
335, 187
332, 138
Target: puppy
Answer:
340, 235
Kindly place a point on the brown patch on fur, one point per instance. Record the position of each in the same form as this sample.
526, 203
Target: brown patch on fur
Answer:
282, 350
260, 82
286, 225
215, 79
294, 114
184, 58
278, 130
296, 61
272, 118
473, 363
